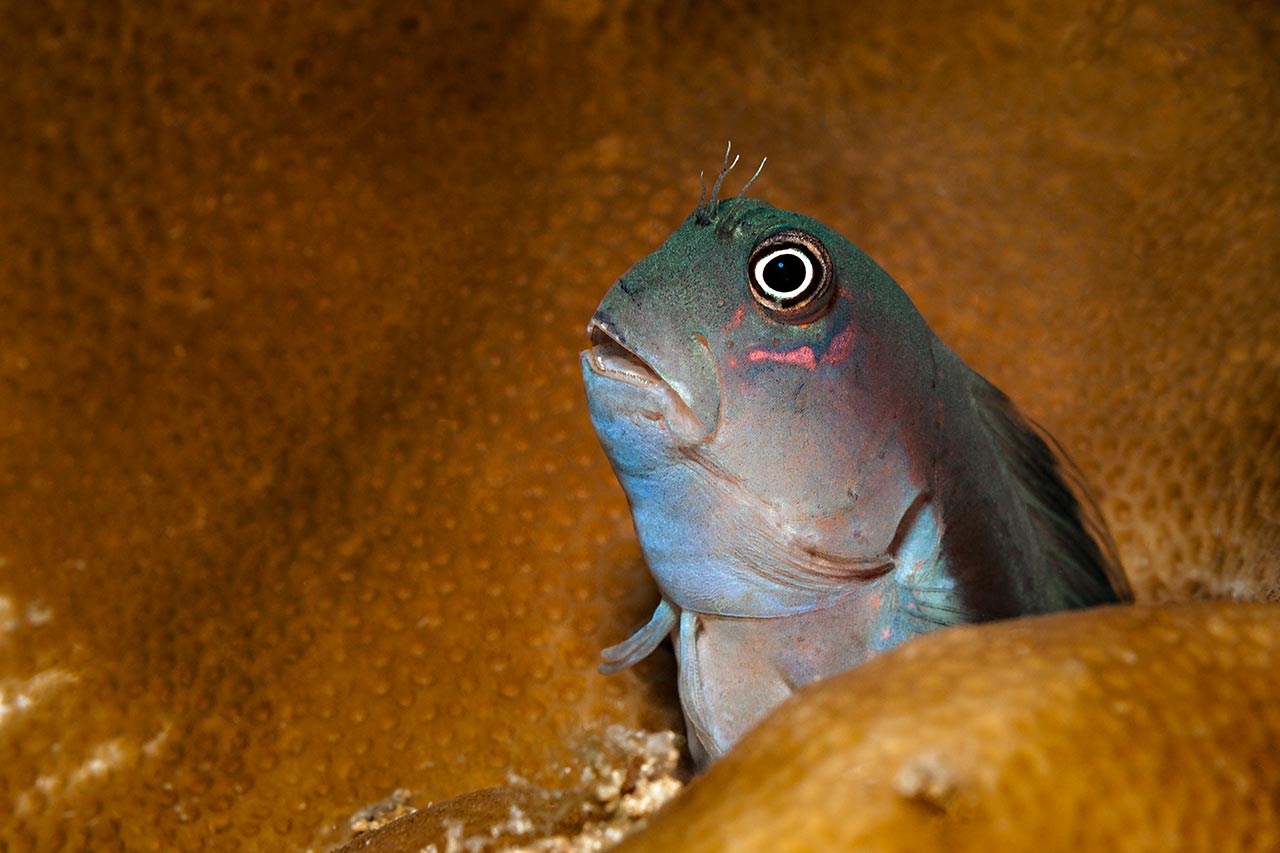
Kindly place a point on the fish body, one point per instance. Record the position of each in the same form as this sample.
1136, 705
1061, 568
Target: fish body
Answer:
813, 476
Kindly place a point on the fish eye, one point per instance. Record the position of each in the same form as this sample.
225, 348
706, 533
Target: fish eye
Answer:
790, 276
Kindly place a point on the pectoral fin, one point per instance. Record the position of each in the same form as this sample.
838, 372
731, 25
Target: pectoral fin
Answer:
735, 671
729, 678
693, 699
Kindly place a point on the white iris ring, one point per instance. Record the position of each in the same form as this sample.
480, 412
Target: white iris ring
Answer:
788, 295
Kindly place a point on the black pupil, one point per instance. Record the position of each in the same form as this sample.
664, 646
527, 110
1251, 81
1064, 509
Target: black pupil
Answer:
785, 273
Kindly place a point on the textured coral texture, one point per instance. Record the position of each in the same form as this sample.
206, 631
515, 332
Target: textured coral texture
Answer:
1122, 728
299, 504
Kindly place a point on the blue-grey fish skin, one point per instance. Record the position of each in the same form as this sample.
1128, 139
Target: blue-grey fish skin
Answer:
813, 476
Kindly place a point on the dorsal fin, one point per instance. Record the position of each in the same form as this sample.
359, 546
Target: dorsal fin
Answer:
1075, 542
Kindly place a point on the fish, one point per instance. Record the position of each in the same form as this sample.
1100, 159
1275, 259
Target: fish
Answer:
813, 476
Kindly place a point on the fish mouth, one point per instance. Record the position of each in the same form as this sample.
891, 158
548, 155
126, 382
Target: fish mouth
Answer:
610, 358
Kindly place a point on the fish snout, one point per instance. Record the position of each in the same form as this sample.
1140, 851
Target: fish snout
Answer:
684, 381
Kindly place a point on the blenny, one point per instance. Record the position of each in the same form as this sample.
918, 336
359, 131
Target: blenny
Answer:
814, 477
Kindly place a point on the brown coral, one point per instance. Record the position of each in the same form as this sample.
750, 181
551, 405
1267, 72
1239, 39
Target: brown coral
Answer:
1121, 728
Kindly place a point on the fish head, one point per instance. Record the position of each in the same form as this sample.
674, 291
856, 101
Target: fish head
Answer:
763, 390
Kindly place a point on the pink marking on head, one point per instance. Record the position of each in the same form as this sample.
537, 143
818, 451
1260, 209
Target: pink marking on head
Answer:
736, 321
802, 356
841, 346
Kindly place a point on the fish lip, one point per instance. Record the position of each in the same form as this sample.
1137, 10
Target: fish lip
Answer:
610, 358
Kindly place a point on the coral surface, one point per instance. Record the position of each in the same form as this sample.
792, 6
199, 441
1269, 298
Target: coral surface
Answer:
1120, 728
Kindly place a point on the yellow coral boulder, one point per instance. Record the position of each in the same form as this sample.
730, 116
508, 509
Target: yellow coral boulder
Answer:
1122, 728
